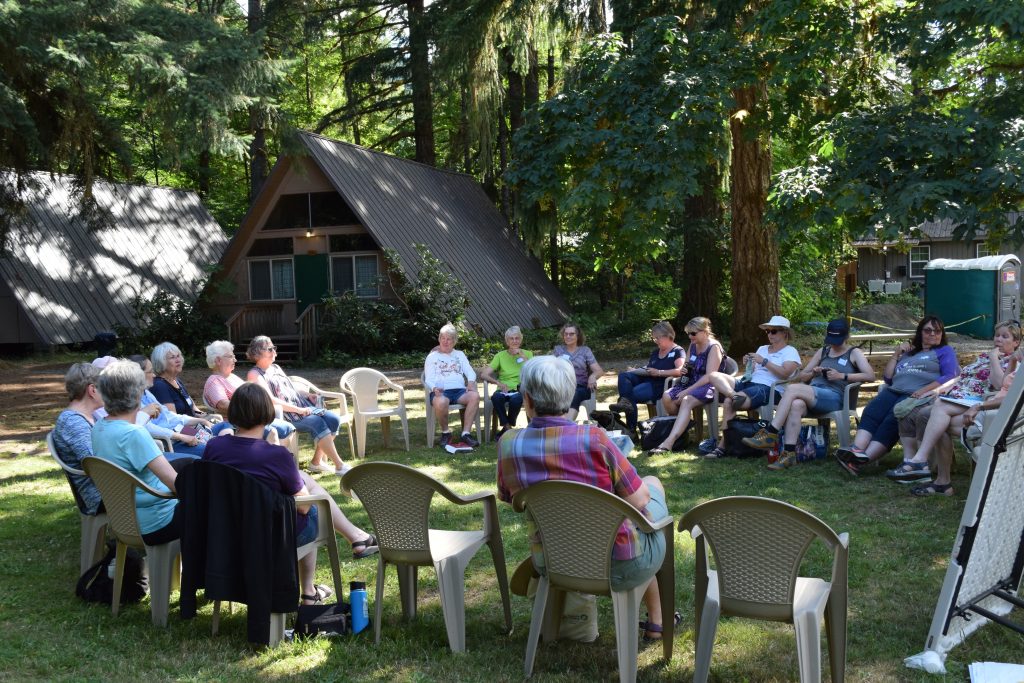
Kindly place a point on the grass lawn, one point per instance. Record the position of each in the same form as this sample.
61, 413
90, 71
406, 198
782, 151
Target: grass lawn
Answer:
898, 555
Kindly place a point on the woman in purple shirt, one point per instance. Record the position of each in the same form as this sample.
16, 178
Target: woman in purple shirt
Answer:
915, 370
250, 410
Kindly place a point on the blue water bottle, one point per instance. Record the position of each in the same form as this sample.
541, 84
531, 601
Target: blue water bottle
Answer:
360, 613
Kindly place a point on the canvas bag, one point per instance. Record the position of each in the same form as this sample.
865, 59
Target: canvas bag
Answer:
812, 444
735, 430
579, 615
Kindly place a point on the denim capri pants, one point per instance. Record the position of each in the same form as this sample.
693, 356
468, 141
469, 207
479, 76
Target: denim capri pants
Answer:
319, 426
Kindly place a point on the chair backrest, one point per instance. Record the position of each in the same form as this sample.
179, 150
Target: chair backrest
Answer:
69, 472
731, 366
117, 488
363, 384
397, 499
577, 524
758, 544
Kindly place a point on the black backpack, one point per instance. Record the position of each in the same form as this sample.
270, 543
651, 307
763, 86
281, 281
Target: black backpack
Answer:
653, 432
96, 585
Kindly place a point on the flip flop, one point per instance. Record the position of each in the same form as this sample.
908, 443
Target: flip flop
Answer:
657, 451
321, 593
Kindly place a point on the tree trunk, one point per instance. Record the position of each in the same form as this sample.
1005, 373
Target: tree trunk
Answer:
699, 273
551, 73
258, 146
506, 198
532, 84
755, 255
422, 100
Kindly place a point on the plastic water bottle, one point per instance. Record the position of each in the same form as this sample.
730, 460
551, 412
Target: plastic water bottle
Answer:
360, 611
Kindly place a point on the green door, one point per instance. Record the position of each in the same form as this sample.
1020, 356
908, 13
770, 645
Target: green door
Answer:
312, 279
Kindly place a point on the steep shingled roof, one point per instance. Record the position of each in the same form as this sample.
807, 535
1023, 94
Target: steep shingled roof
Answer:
73, 282
402, 203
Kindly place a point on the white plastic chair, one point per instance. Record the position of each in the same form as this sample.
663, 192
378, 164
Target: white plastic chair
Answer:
94, 527
397, 499
432, 419
578, 524
491, 417
117, 487
340, 410
845, 418
364, 386
758, 545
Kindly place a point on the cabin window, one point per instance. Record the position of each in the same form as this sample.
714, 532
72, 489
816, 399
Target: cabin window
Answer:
981, 249
310, 210
919, 258
271, 279
358, 273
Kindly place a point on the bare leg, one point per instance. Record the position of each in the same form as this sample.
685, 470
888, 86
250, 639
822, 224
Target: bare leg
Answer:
572, 414
307, 572
670, 406
682, 421
326, 447
797, 409
471, 400
440, 404
942, 416
804, 393
340, 522
944, 455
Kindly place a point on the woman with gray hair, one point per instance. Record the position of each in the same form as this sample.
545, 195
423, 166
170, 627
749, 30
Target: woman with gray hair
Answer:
507, 400
555, 447
449, 378
299, 408
118, 439
72, 433
168, 362
221, 384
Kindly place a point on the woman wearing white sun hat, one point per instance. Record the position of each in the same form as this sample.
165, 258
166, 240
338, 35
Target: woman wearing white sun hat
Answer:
774, 361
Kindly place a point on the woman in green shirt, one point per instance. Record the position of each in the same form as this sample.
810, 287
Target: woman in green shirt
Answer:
507, 400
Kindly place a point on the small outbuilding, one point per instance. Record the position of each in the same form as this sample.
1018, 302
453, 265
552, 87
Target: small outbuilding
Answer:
323, 218
62, 282
973, 295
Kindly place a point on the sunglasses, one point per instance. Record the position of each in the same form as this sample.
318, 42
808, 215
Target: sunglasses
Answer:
773, 331
930, 330
694, 334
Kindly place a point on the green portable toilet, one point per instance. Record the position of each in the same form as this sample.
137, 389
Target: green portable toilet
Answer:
981, 291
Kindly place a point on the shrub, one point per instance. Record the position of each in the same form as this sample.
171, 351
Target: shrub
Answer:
165, 317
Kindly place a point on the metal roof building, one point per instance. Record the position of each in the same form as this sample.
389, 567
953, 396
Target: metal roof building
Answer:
386, 202
61, 282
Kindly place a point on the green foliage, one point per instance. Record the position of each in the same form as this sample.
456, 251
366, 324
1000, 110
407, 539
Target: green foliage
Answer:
362, 327
165, 317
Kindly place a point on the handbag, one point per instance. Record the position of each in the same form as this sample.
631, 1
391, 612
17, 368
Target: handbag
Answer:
812, 444
97, 583
654, 432
735, 430
329, 620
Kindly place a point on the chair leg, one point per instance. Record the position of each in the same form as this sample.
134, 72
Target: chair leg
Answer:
215, 622
407, 589
161, 561
626, 606
451, 585
808, 646
405, 431
122, 552
385, 430
276, 629
540, 601
361, 436
705, 639
553, 615
378, 606
92, 544
666, 578
501, 573
835, 629
430, 423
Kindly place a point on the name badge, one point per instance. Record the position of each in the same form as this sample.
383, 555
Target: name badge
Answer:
842, 361
188, 400
693, 359
520, 359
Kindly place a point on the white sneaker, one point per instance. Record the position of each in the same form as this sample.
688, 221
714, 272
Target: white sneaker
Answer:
320, 468
344, 468
345, 491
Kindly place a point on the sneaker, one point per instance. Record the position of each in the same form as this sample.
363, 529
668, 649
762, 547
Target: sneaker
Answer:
501, 432
343, 469
446, 438
468, 439
851, 468
707, 445
910, 473
624, 405
716, 452
763, 440
319, 468
787, 460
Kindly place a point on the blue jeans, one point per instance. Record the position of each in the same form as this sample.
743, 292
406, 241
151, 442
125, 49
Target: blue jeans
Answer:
308, 534
638, 389
507, 406
582, 394
879, 420
319, 426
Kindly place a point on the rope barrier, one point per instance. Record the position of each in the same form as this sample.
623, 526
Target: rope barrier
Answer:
893, 329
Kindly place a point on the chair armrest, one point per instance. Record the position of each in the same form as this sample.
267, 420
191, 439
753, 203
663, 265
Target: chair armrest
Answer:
844, 539
666, 521
165, 442
466, 500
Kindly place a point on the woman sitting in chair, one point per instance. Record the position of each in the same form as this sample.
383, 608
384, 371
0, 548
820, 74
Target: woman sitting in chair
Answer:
830, 369
923, 429
449, 378
221, 384
118, 439
72, 433
168, 362
250, 411
584, 364
299, 407
507, 400
696, 390
646, 384
554, 447
164, 423
772, 362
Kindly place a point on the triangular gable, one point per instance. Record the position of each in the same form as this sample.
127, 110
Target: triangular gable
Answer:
402, 203
73, 282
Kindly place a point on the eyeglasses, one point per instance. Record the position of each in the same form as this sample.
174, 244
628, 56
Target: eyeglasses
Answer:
930, 330
568, 334
271, 349
229, 356
773, 331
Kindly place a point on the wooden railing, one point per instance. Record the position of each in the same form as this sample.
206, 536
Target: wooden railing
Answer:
253, 319
307, 324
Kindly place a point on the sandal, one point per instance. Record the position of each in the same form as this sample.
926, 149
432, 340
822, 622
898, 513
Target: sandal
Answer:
320, 593
660, 450
365, 547
932, 489
657, 629
717, 452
